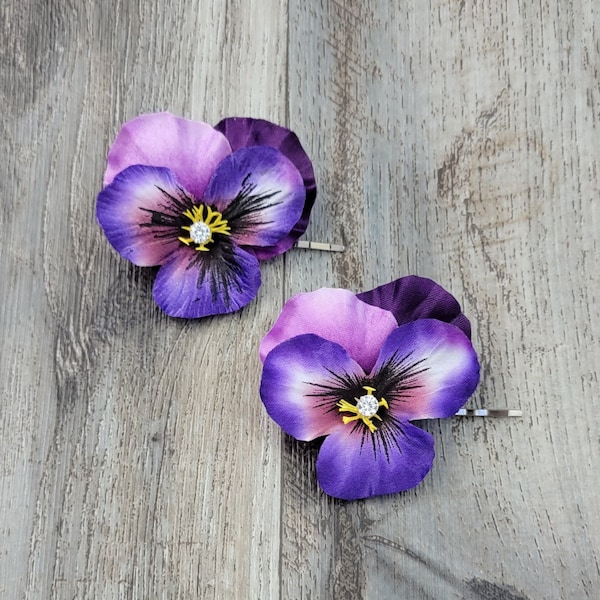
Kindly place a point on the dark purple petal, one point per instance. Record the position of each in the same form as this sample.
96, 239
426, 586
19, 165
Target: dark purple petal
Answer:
137, 212
259, 192
411, 298
336, 315
296, 375
427, 369
354, 463
191, 149
243, 133
196, 284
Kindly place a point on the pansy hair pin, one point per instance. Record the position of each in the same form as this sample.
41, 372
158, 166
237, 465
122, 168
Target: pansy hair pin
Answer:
355, 370
205, 204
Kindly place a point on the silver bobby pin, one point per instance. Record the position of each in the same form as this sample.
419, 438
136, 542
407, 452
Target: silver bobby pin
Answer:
488, 412
319, 246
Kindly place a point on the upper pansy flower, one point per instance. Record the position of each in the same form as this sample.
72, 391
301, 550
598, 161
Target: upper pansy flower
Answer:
339, 366
206, 204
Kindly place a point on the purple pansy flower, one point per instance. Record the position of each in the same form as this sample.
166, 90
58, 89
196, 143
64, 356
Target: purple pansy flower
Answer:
358, 370
205, 204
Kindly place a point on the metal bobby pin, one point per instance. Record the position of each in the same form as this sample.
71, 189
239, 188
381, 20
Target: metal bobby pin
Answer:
319, 246
489, 412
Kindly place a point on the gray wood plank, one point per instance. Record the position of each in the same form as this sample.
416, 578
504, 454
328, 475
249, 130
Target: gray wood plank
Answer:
136, 459
457, 141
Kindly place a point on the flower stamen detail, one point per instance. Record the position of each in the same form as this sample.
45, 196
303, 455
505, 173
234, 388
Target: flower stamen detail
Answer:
365, 409
201, 229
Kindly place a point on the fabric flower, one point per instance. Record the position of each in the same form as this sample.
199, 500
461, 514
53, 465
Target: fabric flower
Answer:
205, 204
348, 369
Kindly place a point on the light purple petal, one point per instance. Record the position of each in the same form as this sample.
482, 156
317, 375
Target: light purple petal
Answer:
434, 367
259, 192
196, 284
245, 132
136, 212
411, 298
191, 149
298, 385
354, 463
336, 315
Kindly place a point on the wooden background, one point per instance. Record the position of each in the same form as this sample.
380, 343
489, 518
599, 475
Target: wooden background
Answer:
457, 140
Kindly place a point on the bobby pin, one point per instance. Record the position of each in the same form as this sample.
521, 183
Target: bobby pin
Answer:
489, 412
319, 246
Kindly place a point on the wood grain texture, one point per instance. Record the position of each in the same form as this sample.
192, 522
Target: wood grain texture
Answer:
137, 461
458, 141
455, 140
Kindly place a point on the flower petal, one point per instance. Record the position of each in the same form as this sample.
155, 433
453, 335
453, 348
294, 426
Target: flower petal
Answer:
354, 463
137, 212
411, 298
427, 369
191, 149
260, 193
296, 382
336, 315
243, 133
196, 284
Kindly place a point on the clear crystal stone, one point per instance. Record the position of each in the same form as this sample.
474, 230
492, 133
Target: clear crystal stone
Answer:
367, 405
199, 232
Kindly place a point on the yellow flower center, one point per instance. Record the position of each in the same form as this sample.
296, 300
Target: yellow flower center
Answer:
365, 409
203, 223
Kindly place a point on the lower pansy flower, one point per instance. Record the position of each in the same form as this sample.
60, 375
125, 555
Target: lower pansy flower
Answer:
344, 369
205, 204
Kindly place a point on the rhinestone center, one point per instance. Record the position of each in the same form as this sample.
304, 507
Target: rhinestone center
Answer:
367, 405
364, 410
199, 232
203, 223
